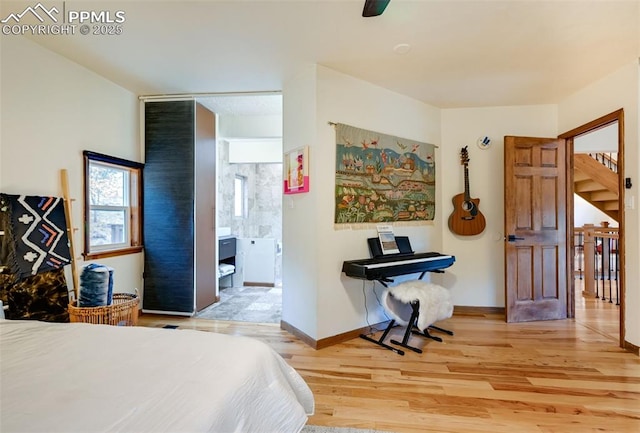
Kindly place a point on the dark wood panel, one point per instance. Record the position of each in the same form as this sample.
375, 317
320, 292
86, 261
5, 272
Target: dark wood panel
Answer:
523, 196
550, 272
549, 192
169, 206
525, 273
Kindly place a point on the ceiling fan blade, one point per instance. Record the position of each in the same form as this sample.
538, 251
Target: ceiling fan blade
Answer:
373, 8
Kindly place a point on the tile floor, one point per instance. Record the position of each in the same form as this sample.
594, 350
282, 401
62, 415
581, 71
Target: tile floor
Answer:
246, 304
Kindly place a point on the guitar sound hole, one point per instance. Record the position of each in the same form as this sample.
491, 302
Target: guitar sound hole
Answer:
467, 206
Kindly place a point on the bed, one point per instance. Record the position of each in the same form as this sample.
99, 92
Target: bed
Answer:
79, 377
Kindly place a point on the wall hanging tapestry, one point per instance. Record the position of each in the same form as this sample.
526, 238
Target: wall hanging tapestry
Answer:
381, 178
39, 232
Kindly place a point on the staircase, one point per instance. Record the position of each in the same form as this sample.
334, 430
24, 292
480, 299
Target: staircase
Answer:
597, 182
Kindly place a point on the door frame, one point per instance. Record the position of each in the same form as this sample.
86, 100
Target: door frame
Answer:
594, 125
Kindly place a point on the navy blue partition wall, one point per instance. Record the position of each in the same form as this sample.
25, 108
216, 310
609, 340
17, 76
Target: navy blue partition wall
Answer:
169, 206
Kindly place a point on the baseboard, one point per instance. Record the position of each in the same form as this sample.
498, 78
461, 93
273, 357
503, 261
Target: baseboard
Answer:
166, 313
631, 348
298, 333
252, 284
350, 335
462, 310
458, 310
329, 341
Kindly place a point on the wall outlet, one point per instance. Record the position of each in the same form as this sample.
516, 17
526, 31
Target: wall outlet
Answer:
630, 202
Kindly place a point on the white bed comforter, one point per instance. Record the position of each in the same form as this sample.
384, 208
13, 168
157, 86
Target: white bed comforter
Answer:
96, 378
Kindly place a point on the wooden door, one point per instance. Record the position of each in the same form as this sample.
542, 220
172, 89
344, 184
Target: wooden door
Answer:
535, 225
206, 269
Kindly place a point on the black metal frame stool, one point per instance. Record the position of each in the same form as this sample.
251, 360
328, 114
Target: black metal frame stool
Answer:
434, 297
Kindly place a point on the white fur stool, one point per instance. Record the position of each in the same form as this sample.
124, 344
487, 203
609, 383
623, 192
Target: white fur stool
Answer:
417, 304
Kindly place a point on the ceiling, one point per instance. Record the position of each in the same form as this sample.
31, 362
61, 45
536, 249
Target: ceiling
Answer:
461, 53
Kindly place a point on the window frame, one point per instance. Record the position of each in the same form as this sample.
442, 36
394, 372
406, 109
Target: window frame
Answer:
134, 213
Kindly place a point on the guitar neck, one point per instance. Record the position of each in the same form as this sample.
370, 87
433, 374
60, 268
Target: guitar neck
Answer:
467, 194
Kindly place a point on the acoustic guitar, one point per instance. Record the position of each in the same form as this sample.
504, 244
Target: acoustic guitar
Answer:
466, 219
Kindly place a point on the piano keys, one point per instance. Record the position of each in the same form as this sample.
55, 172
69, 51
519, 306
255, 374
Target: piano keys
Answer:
383, 268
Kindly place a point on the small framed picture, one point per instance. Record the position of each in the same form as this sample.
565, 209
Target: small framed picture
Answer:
296, 170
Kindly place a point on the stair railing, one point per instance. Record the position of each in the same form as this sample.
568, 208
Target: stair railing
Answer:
600, 262
608, 159
578, 250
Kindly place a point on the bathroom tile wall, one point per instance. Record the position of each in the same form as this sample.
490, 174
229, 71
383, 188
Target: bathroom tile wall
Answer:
264, 207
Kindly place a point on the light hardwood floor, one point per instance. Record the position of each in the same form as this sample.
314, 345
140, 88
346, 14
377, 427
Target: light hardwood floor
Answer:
556, 376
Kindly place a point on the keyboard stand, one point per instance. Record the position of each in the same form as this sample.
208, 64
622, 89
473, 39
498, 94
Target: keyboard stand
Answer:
381, 343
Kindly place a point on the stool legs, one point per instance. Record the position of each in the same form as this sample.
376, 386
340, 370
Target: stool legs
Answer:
441, 330
413, 323
415, 305
380, 342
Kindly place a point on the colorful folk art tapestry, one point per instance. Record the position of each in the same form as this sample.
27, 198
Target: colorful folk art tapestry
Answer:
38, 229
383, 178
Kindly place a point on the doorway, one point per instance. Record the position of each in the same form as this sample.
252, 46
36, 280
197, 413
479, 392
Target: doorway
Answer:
598, 313
249, 208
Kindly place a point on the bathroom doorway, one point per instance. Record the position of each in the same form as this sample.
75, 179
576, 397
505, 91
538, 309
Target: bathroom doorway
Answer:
249, 208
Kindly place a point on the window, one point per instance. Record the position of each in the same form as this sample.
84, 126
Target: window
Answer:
113, 206
240, 196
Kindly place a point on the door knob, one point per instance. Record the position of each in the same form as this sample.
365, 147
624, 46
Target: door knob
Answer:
513, 238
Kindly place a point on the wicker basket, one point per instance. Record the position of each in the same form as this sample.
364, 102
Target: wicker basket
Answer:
123, 311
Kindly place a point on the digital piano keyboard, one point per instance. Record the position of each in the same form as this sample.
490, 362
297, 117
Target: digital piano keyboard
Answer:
384, 268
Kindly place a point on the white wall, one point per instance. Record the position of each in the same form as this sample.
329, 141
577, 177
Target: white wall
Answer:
620, 89
299, 216
602, 140
341, 98
254, 150
586, 213
477, 277
52, 110
249, 126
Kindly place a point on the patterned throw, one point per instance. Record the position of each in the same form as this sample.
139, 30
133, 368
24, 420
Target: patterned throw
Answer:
39, 232
382, 178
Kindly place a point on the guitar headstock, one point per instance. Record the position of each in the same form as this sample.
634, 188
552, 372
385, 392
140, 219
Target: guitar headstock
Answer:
464, 156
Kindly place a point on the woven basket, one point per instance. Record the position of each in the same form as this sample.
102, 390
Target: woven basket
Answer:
123, 311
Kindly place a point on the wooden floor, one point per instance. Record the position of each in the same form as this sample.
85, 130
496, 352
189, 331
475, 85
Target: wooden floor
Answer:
556, 376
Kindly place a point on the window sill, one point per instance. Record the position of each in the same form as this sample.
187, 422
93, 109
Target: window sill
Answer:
112, 253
